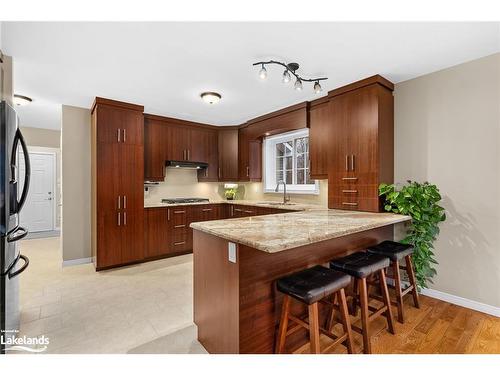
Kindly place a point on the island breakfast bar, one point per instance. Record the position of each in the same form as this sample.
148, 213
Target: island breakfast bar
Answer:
237, 261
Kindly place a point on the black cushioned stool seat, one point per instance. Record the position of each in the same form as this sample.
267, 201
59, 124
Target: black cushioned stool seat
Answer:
392, 250
361, 264
313, 284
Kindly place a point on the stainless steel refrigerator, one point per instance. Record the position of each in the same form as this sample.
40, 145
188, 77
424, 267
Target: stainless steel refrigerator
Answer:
12, 198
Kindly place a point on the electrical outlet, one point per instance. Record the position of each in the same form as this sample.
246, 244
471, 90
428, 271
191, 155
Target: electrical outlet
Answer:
231, 252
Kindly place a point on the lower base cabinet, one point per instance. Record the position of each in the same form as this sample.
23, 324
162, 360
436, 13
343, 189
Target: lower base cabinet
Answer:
167, 230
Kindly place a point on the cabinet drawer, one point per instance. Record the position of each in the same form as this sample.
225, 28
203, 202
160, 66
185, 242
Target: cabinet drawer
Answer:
354, 190
354, 203
177, 217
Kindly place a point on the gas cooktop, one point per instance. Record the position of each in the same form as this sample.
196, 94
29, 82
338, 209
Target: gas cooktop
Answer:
184, 200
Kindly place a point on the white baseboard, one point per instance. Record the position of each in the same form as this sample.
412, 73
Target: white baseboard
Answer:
460, 301
74, 262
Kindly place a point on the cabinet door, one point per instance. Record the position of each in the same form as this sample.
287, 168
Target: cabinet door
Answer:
132, 202
255, 161
208, 151
319, 139
228, 155
132, 127
109, 124
156, 232
108, 216
154, 151
243, 149
177, 142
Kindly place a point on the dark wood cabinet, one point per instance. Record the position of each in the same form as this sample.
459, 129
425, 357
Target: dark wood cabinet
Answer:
204, 147
228, 154
117, 189
155, 145
320, 123
249, 157
362, 145
156, 232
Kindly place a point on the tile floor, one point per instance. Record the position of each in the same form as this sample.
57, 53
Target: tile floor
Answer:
146, 308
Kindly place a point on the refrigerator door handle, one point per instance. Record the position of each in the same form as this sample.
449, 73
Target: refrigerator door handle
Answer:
17, 235
27, 166
22, 269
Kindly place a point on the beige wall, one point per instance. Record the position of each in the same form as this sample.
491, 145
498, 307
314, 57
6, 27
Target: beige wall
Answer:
75, 182
447, 131
184, 183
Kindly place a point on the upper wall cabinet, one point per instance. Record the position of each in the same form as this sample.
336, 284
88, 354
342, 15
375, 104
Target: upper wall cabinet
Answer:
320, 122
249, 156
361, 138
228, 154
155, 144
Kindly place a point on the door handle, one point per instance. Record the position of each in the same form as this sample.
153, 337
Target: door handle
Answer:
188, 154
119, 203
168, 214
20, 270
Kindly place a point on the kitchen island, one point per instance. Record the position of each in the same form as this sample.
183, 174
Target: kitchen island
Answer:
237, 261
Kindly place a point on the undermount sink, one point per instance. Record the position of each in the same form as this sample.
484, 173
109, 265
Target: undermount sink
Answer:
278, 203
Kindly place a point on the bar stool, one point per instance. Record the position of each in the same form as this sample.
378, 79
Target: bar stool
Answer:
310, 287
363, 265
396, 251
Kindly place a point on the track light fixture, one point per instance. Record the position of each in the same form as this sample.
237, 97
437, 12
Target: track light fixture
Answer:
290, 68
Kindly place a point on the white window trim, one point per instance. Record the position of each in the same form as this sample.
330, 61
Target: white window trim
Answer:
269, 165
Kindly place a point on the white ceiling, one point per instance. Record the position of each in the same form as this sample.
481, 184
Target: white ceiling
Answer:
165, 66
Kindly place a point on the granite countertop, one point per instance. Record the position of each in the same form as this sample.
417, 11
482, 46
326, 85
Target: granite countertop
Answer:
271, 204
274, 233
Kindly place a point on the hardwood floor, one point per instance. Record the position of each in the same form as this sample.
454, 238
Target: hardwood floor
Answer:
436, 328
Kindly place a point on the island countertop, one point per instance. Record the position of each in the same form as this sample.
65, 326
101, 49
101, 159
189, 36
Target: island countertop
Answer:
278, 232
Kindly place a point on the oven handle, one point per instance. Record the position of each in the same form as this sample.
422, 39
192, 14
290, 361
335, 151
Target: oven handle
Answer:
14, 236
22, 269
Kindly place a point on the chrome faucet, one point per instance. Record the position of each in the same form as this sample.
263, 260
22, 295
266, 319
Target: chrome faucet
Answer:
285, 198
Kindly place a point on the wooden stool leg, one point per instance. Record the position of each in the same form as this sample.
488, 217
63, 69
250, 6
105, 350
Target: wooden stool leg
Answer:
314, 328
397, 286
285, 310
346, 322
354, 301
331, 320
411, 275
387, 302
363, 296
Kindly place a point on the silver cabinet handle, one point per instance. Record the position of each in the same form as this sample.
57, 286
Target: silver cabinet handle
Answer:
125, 218
124, 201
352, 162
347, 162
232, 210
206, 172
206, 209
248, 212
179, 243
238, 210
168, 214
349, 203
218, 172
179, 212
349, 191
188, 154
349, 178
119, 219
248, 171
119, 135
124, 135
119, 204
179, 226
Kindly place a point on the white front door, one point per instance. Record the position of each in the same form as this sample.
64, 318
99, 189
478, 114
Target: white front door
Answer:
37, 215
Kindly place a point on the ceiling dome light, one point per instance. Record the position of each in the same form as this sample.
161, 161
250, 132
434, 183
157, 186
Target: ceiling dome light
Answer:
21, 100
286, 77
317, 88
211, 97
298, 85
263, 72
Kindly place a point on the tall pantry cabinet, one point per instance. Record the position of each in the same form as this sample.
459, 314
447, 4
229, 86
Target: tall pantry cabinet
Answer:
117, 183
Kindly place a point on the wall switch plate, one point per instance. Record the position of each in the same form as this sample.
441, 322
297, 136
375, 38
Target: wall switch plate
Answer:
231, 252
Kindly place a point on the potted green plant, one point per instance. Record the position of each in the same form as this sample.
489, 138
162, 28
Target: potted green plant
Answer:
230, 191
420, 201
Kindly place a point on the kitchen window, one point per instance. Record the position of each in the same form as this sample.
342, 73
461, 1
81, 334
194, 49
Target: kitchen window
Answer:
286, 157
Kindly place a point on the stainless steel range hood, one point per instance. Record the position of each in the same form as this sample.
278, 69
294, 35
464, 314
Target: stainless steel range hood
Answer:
186, 164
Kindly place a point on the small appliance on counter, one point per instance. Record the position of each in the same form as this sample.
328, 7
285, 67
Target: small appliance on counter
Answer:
184, 200
12, 262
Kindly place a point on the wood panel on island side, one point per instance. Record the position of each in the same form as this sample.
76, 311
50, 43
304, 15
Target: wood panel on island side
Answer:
236, 305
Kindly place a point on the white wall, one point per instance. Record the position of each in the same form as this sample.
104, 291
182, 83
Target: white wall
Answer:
447, 131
